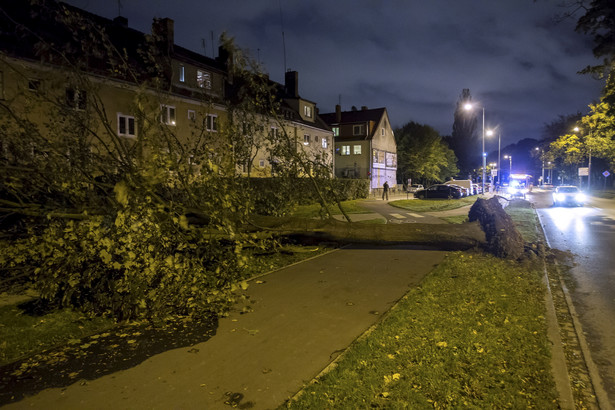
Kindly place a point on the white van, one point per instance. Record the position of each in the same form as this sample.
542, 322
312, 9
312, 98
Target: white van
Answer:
464, 183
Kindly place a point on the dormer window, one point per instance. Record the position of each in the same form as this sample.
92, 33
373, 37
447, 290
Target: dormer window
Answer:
307, 111
182, 74
358, 129
203, 79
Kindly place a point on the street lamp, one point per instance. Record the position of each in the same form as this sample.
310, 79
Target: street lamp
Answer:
542, 158
509, 157
589, 163
469, 107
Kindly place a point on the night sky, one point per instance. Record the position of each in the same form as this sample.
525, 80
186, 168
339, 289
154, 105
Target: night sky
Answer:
413, 57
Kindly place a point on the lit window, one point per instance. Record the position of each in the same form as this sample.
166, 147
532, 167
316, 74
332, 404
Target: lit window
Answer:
125, 125
307, 111
182, 73
203, 79
191, 115
345, 149
212, 122
325, 142
358, 129
76, 99
356, 150
336, 131
306, 139
167, 116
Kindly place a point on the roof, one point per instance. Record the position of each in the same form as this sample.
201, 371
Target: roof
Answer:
374, 114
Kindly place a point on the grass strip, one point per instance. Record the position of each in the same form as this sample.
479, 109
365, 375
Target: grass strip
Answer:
315, 210
433, 205
473, 334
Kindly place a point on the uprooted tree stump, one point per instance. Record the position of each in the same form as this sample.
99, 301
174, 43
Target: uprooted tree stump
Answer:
503, 238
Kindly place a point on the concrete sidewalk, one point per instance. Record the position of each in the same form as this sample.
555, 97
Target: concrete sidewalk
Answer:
304, 316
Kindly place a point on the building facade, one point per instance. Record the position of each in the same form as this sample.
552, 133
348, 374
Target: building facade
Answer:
63, 59
364, 145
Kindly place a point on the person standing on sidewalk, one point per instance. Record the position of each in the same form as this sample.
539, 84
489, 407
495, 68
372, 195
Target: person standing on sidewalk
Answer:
385, 191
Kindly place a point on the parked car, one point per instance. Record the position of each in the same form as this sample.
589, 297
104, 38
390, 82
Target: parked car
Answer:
415, 187
464, 191
439, 191
466, 184
568, 195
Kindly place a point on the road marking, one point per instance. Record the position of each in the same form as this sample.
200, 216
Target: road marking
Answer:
398, 216
416, 215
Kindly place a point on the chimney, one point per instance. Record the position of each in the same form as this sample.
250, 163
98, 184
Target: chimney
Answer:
364, 108
121, 21
164, 33
338, 113
291, 84
353, 108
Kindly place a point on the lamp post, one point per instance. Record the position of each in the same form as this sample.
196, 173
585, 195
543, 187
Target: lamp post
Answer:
589, 162
468, 107
542, 158
499, 166
509, 157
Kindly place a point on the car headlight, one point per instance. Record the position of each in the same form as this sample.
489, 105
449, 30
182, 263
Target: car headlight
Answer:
580, 197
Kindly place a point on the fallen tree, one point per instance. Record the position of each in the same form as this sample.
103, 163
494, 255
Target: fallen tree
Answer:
502, 237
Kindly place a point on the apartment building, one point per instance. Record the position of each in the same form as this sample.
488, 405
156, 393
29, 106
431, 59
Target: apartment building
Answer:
126, 85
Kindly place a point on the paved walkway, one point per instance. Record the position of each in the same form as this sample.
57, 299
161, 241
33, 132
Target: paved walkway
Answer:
304, 316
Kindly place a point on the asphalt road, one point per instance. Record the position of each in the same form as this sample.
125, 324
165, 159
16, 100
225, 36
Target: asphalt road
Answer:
588, 232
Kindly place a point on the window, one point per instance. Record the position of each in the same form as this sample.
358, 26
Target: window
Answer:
182, 74
382, 132
345, 149
325, 142
191, 115
336, 131
203, 79
306, 139
358, 129
356, 150
76, 99
125, 125
316, 139
212, 122
307, 111
261, 163
168, 114
274, 132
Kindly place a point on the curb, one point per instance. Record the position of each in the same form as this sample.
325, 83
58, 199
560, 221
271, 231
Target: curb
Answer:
596, 381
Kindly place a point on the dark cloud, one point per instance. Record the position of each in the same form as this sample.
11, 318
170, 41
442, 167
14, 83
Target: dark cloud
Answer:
414, 57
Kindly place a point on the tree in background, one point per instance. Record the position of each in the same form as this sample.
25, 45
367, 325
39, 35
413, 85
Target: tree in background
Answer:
422, 155
464, 141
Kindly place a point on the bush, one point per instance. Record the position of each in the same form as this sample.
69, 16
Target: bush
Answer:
278, 196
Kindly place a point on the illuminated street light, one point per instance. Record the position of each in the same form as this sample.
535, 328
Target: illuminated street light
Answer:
509, 157
468, 107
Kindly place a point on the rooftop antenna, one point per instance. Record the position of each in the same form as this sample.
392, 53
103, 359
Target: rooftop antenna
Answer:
204, 45
119, 7
283, 40
212, 45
